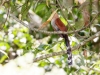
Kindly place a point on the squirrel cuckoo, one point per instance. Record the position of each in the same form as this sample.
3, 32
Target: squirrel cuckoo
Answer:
58, 25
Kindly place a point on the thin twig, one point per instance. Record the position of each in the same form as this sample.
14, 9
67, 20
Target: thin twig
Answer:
64, 52
36, 3
8, 10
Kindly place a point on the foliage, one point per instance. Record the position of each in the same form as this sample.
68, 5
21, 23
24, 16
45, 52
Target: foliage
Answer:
16, 39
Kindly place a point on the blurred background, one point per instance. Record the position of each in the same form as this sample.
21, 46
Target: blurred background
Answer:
19, 45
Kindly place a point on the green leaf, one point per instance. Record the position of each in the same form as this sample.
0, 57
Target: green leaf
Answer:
58, 62
73, 43
5, 44
64, 21
25, 8
41, 10
43, 63
29, 38
5, 53
40, 7
3, 58
18, 43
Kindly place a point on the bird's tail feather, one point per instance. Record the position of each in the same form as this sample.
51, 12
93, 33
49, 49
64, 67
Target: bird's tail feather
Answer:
69, 53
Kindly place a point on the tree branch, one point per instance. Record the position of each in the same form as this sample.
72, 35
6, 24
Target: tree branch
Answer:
52, 32
64, 52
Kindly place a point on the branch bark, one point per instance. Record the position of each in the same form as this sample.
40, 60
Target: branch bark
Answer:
52, 32
64, 52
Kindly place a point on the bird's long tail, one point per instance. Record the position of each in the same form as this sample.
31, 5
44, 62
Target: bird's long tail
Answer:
69, 53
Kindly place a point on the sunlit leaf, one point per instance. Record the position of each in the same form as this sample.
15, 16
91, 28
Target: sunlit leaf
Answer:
63, 20
4, 53
58, 62
4, 44
43, 63
47, 2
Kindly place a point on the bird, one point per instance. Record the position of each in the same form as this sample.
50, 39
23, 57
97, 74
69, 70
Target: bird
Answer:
58, 25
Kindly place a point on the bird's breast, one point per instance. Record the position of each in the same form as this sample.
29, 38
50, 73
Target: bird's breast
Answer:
54, 24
